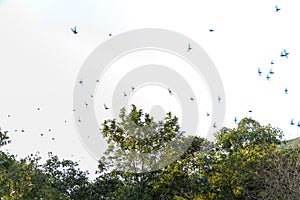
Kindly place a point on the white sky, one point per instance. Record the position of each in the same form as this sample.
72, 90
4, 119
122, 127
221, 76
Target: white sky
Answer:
40, 59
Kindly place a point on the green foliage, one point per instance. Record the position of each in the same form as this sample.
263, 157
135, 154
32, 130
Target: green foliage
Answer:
232, 165
145, 160
139, 144
66, 177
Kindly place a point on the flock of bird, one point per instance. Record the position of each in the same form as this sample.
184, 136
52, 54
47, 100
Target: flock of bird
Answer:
283, 54
23, 130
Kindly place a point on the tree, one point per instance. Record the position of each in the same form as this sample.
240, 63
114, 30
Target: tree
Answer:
66, 177
281, 174
232, 165
145, 156
23, 179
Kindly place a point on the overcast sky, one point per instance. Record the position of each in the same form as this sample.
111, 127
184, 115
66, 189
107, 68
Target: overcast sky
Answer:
41, 57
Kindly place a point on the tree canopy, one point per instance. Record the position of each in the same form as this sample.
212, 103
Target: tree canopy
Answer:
147, 159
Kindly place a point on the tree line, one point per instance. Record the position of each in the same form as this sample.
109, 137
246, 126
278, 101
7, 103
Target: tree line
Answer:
248, 162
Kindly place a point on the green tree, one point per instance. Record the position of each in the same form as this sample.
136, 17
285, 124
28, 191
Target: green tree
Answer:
22, 179
232, 165
137, 143
67, 178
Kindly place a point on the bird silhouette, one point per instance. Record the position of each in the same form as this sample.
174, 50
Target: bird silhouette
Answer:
207, 114
105, 107
192, 99
81, 82
92, 96
132, 88
170, 91
79, 120
22, 130
235, 120
74, 30
250, 111
38, 109
189, 47
86, 104
284, 53
272, 62
271, 71
110, 34
292, 122
215, 125
42, 134
53, 138
124, 94
8, 115
286, 91
277, 9
298, 124
259, 72
219, 99
268, 77
211, 30
97, 81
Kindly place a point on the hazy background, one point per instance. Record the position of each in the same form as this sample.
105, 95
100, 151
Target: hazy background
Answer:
40, 58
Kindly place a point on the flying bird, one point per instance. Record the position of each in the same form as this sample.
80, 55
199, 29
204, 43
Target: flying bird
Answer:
284, 53
74, 30
110, 34
105, 107
124, 94
259, 72
271, 71
207, 114
211, 30
215, 125
86, 104
170, 91
272, 62
292, 122
250, 111
81, 82
277, 9
298, 124
132, 88
189, 47
286, 91
192, 99
268, 77
219, 99
235, 120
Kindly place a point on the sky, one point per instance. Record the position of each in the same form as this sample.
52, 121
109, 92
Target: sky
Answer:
41, 59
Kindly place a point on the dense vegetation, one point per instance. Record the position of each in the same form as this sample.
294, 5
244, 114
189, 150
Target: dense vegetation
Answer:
247, 162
